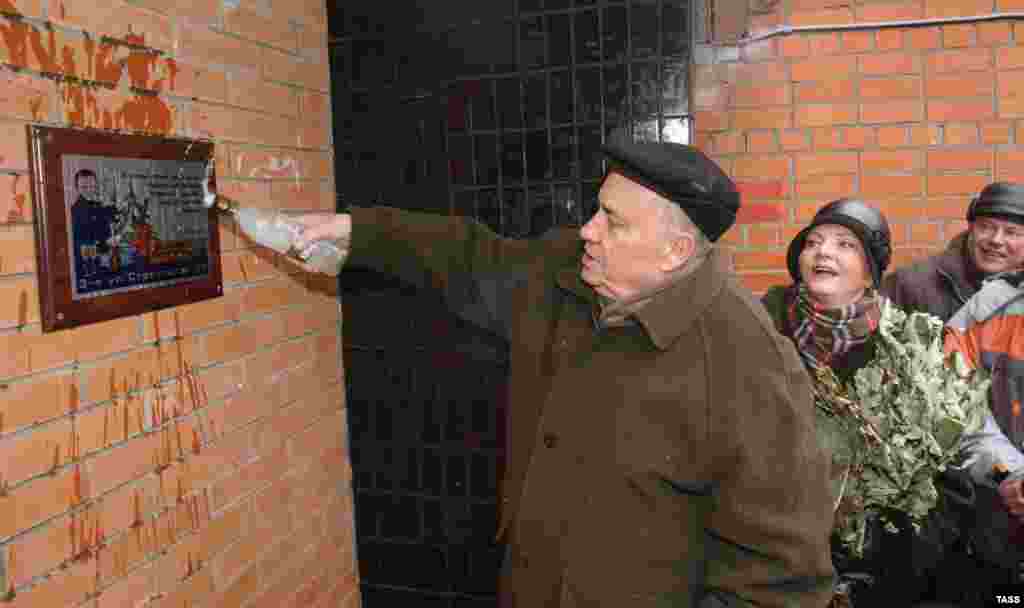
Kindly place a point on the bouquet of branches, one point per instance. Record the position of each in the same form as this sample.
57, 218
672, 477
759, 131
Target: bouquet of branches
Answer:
897, 423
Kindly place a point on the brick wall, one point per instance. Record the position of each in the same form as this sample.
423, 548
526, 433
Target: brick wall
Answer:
913, 119
196, 457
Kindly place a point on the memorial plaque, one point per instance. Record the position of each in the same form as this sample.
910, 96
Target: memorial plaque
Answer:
120, 224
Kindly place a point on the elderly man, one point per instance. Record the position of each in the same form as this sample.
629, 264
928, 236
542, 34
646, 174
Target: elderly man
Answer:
993, 243
662, 447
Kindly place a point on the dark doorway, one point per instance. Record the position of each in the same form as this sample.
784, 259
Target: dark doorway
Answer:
494, 110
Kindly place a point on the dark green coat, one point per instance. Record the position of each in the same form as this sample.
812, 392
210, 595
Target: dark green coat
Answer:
653, 464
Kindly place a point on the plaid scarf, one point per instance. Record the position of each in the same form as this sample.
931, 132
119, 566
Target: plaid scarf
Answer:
824, 334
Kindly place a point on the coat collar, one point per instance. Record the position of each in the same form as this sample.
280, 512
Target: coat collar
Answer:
955, 264
673, 310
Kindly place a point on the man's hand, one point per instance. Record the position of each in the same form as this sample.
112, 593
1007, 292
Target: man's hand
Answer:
1010, 491
324, 226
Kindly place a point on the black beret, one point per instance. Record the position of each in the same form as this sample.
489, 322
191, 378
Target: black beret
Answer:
683, 175
1000, 199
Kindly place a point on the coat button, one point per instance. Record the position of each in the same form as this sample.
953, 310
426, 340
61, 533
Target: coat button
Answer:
550, 440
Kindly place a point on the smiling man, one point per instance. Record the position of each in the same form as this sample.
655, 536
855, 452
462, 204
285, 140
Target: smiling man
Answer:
661, 439
992, 243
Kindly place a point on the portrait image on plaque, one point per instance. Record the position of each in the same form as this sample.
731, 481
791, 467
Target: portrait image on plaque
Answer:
121, 227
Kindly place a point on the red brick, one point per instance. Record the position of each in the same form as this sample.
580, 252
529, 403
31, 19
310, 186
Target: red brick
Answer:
1008, 58
960, 85
960, 134
761, 167
1010, 165
124, 463
760, 189
1009, 84
253, 26
746, 74
823, 44
820, 115
249, 92
828, 90
49, 396
27, 455
825, 163
759, 260
890, 88
898, 209
192, 12
730, 142
958, 36
892, 161
894, 111
970, 60
997, 132
794, 140
892, 185
202, 46
13, 146
956, 184
41, 499
795, 46
294, 69
17, 249
235, 341
117, 20
771, 95
249, 193
925, 135
1011, 107
131, 590
763, 236
925, 233
826, 186
711, 121
711, 96
240, 125
759, 142
823, 69
25, 97
942, 111
890, 11
858, 42
822, 16
889, 39
64, 588
959, 160
764, 118
935, 9
199, 82
994, 33
925, 38
885, 64
846, 138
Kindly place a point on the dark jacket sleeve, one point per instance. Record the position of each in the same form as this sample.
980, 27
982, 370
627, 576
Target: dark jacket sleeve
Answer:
474, 269
896, 287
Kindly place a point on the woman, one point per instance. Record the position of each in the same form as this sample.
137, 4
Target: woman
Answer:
831, 312
832, 308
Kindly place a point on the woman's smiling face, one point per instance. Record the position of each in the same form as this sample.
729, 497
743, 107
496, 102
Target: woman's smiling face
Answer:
834, 266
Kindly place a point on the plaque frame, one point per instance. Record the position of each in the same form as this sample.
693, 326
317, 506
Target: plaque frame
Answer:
180, 275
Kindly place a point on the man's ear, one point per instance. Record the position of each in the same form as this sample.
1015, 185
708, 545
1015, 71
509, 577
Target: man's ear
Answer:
679, 251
